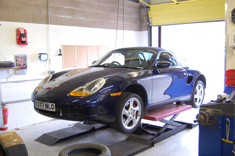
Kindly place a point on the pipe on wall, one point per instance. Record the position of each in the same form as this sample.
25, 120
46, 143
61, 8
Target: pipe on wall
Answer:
15, 101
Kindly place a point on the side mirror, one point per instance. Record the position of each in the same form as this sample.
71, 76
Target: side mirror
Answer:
163, 64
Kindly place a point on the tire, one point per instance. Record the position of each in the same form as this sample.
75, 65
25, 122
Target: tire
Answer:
197, 94
129, 112
2, 153
86, 149
11, 144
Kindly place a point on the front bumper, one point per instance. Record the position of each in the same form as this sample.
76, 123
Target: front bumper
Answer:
97, 108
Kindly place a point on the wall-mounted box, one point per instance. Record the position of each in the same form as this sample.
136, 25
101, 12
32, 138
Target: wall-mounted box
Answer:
43, 56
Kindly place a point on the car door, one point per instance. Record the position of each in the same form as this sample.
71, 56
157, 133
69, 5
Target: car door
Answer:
168, 81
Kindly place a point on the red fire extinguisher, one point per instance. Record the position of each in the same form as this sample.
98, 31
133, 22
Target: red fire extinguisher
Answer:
5, 113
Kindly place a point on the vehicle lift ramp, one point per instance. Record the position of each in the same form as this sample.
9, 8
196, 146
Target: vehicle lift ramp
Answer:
143, 138
171, 126
147, 134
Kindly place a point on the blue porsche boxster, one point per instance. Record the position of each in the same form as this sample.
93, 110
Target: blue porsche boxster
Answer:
119, 88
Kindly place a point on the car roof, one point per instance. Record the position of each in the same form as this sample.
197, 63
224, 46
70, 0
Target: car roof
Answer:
156, 49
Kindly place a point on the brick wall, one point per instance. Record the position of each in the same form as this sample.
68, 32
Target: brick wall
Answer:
92, 13
143, 19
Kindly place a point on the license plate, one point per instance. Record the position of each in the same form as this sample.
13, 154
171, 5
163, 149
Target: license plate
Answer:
45, 106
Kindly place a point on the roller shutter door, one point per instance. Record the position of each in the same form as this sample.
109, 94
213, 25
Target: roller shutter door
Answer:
187, 12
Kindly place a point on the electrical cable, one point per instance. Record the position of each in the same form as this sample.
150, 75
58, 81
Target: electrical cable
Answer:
117, 24
48, 35
123, 24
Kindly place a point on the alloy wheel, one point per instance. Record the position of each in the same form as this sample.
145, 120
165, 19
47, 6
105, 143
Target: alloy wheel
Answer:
198, 94
131, 113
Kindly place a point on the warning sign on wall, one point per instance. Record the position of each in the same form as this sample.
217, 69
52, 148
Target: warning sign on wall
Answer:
21, 61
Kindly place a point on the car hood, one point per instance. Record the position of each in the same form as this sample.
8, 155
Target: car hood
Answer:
80, 77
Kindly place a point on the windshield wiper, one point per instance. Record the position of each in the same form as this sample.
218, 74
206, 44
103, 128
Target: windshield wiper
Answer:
107, 65
103, 65
128, 67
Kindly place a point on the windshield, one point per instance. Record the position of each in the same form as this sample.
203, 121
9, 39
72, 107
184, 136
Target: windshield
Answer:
126, 58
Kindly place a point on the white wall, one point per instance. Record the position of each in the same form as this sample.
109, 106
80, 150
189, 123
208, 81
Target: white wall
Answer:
37, 44
61, 35
47, 39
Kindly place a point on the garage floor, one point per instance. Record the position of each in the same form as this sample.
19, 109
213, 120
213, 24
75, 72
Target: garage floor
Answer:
181, 144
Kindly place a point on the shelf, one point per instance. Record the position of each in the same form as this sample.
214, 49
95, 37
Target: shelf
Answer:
11, 68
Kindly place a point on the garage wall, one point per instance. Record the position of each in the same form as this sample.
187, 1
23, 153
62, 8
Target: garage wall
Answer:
49, 39
61, 35
37, 44
82, 13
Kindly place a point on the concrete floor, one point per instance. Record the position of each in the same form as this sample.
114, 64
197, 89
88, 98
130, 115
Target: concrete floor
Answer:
184, 143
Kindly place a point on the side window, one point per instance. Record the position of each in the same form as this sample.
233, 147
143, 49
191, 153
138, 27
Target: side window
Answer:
146, 55
165, 56
145, 58
173, 60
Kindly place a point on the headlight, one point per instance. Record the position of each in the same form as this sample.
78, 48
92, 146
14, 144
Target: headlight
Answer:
89, 89
44, 81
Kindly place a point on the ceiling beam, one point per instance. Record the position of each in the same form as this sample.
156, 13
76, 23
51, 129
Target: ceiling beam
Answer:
136, 1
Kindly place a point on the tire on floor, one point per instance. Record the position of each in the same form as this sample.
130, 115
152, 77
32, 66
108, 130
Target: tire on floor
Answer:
11, 144
86, 149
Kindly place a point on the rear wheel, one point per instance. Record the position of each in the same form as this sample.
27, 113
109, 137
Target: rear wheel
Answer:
197, 95
129, 112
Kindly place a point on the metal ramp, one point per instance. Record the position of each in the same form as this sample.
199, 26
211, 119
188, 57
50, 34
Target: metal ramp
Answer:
78, 129
143, 138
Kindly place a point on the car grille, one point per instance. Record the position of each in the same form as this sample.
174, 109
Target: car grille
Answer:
73, 112
70, 112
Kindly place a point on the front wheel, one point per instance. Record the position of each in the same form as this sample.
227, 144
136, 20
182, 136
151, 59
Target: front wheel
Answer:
129, 112
197, 95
